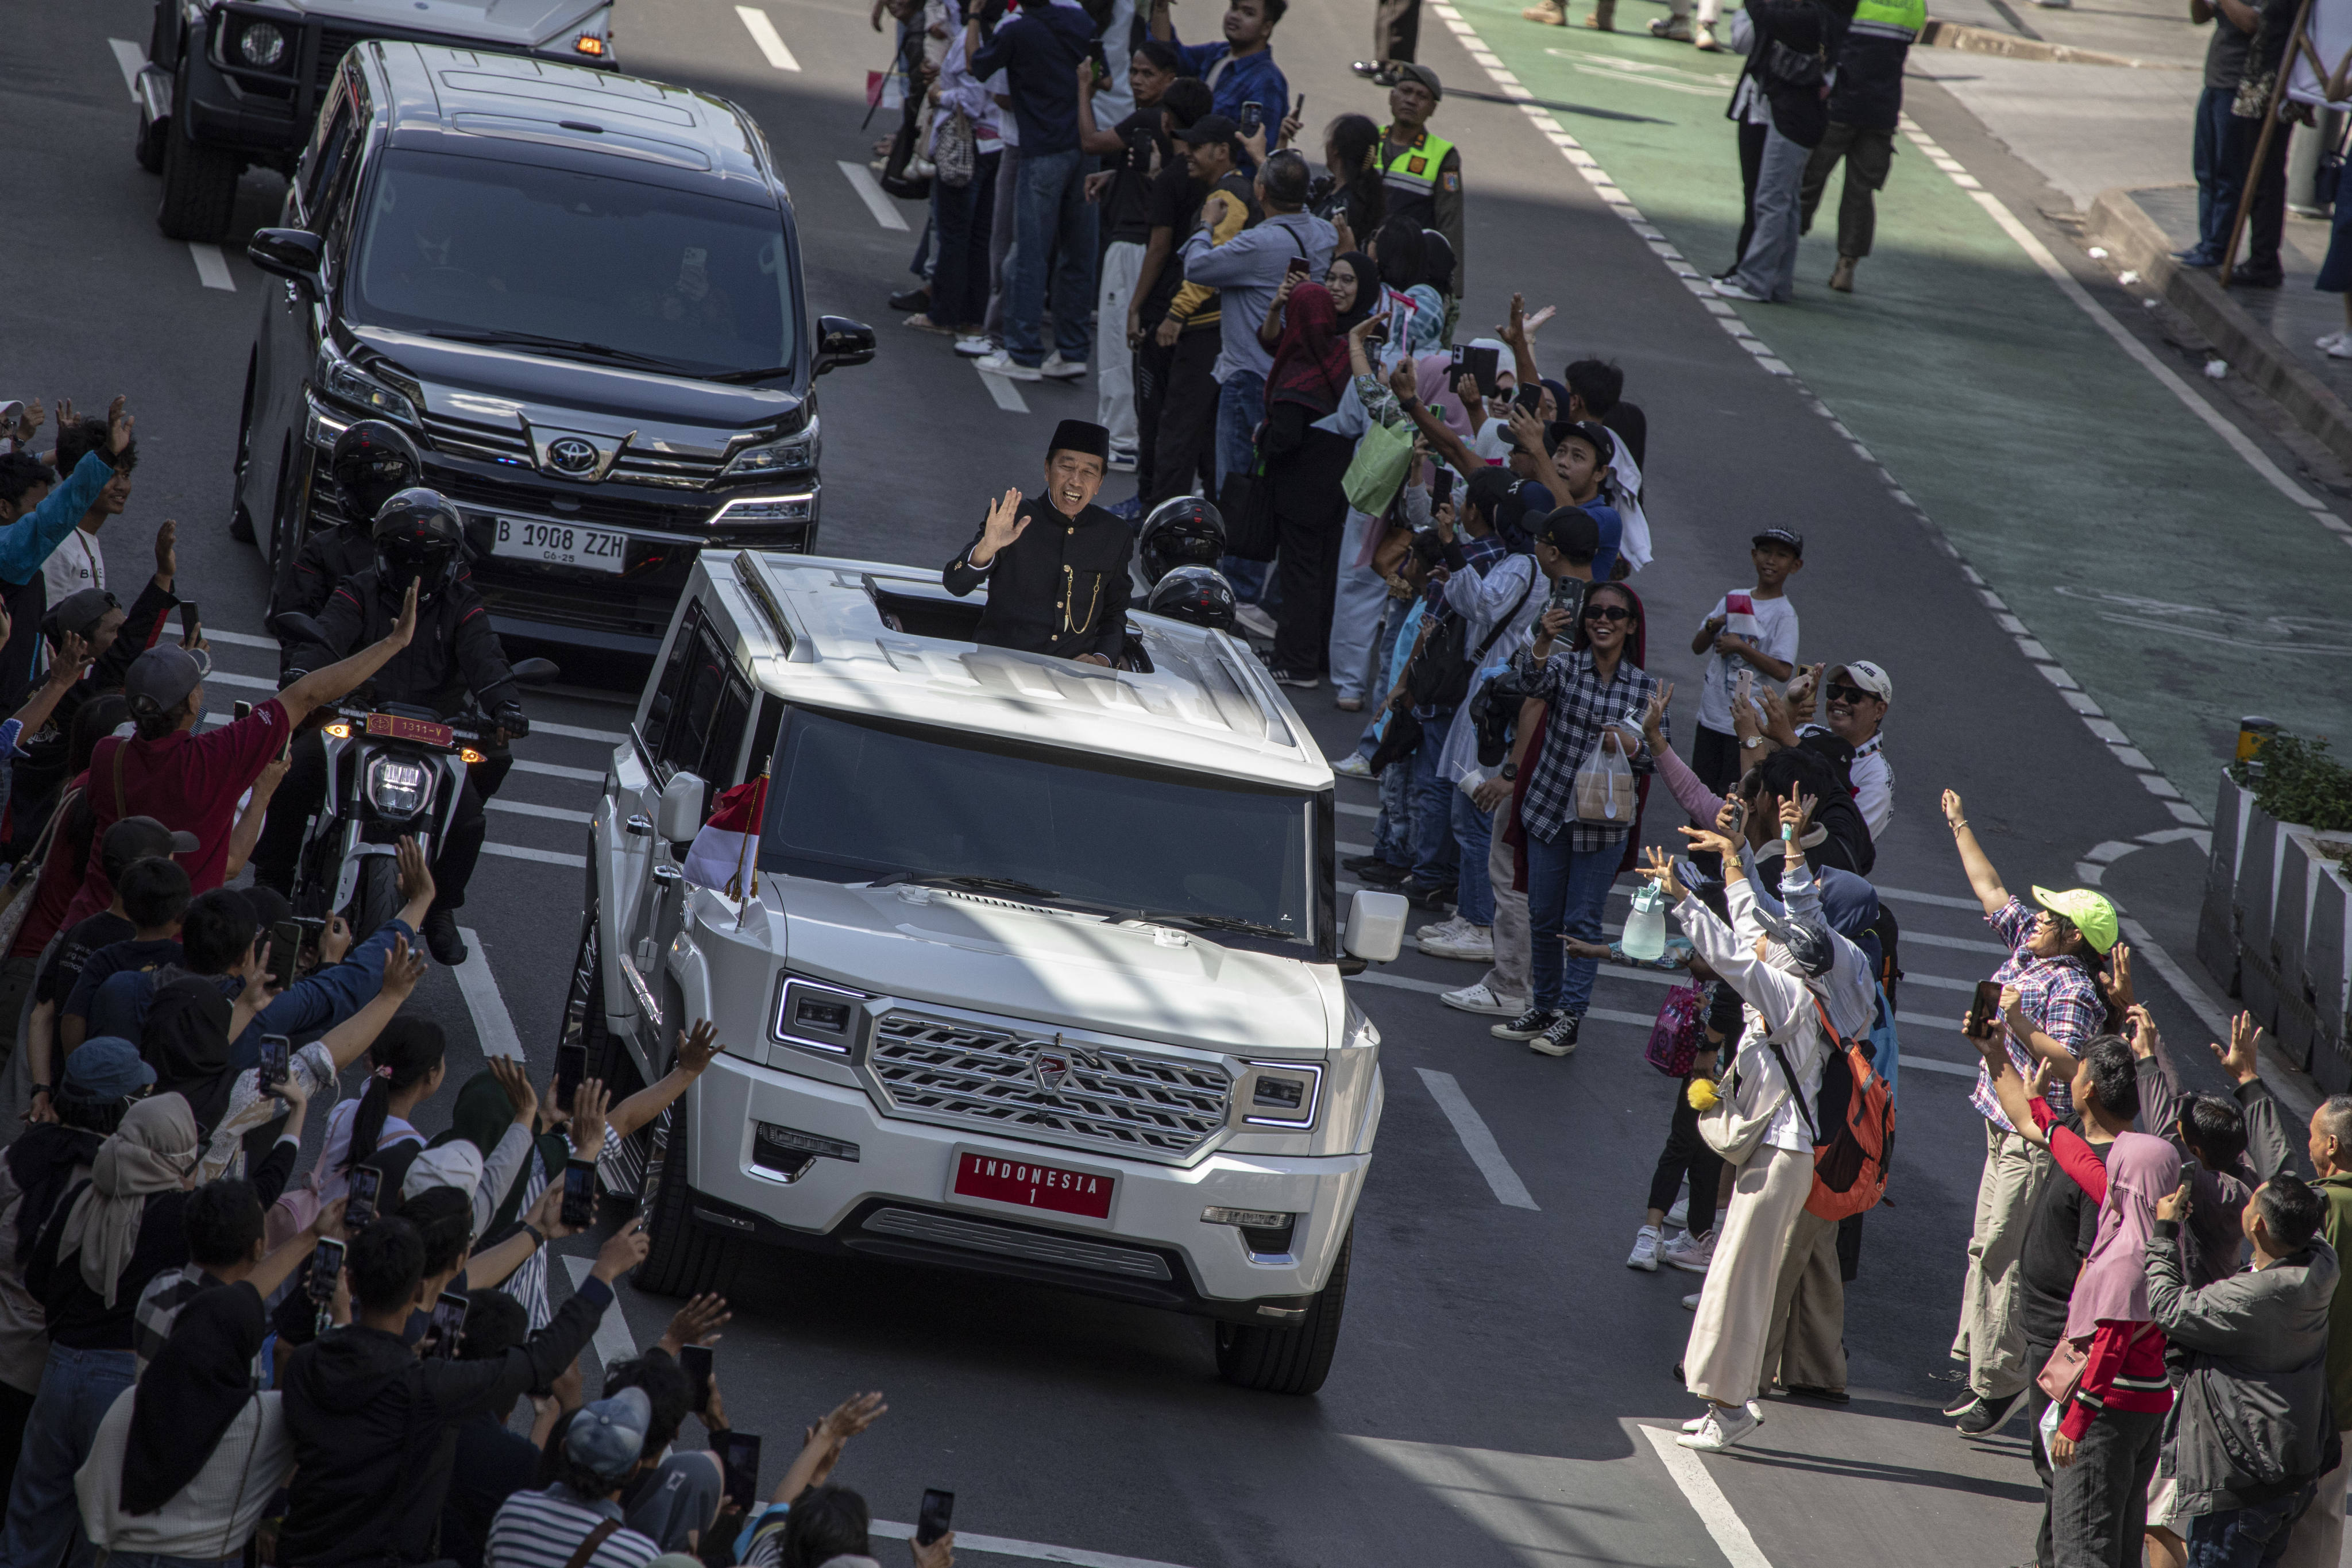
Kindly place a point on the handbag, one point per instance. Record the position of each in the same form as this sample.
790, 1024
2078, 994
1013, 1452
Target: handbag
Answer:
1604, 786
1377, 471
2062, 1373
1732, 1134
1676, 1033
1442, 671
15, 895
955, 150
1399, 739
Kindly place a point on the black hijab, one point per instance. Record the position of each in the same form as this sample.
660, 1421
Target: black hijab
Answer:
1437, 261
1368, 288
193, 1389
42, 1164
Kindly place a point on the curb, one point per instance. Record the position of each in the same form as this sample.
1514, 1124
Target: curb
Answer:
1942, 35
2134, 241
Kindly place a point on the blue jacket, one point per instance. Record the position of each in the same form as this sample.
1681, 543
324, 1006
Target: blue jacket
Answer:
26, 543
302, 1012
1038, 51
1245, 78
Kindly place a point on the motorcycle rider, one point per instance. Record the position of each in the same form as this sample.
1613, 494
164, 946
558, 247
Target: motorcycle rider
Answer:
418, 539
372, 462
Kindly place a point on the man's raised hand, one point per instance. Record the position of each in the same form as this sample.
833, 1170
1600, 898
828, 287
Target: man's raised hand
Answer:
1005, 525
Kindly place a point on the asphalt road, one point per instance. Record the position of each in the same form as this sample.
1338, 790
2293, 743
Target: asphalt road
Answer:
1499, 1368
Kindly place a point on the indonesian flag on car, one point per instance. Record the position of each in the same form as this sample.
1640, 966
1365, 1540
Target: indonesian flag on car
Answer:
722, 853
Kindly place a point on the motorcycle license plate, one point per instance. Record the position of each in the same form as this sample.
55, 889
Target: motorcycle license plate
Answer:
561, 544
392, 726
1033, 1185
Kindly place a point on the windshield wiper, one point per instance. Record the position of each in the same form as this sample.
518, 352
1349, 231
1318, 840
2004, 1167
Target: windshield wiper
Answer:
1213, 922
539, 341
741, 377
977, 884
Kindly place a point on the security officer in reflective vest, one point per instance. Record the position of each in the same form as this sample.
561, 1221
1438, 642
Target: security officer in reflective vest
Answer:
1422, 172
1056, 565
1866, 102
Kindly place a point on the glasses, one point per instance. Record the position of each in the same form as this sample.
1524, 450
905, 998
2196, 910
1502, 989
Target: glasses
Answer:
1841, 692
1608, 612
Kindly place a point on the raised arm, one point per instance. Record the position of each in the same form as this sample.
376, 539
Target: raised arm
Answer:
1522, 341
247, 831
1441, 438
694, 1052
66, 668
351, 1037
338, 679
1983, 880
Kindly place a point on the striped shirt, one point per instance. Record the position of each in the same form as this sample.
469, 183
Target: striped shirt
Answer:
542, 1529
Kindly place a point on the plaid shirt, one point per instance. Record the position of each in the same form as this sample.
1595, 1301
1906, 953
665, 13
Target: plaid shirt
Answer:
1582, 704
2056, 995
1481, 553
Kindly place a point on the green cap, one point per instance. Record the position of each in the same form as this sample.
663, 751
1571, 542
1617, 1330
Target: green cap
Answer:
2093, 914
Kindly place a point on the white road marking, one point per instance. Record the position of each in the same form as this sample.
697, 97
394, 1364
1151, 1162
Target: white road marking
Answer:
574, 732
1005, 1547
132, 60
493, 1026
1964, 944
1006, 394
250, 682
1471, 1128
1615, 1016
772, 44
1707, 1499
552, 813
1347, 810
878, 201
212, 267
544, 856
613, 1341
558, 771
239, 639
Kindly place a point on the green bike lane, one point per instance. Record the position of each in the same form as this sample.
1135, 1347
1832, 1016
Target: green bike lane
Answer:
2145, 554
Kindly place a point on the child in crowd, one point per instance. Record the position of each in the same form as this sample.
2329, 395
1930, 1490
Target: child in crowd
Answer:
1754, 631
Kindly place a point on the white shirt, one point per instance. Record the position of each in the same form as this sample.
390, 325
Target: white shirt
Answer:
334, 1182
1873, 778
76, 564
212, 1516
1776, 1005
1775, 634
1481, 601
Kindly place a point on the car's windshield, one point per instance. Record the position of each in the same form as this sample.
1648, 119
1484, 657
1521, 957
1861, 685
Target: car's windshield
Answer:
852, 801
470, 247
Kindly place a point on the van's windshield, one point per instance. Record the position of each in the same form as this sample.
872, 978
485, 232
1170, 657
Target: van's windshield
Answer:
669, 280
855, 800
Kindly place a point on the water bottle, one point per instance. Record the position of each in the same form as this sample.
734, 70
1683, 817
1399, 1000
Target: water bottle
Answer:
1645, 928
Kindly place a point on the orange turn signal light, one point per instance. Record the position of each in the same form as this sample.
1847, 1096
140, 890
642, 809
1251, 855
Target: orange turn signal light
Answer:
339, 732
589, 44
472, 756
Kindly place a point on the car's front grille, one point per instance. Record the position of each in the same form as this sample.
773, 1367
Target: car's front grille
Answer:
675, 468
333, 43
579, 503
1116, 1100
976, 1235
485, 442
630, 609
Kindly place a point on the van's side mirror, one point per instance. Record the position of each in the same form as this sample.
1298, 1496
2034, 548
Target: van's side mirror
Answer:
536, 671
1376, 925
291, 253
841, 342
681, 807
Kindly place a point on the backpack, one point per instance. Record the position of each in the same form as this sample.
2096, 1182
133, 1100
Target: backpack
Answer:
1849, 1167
1440, 677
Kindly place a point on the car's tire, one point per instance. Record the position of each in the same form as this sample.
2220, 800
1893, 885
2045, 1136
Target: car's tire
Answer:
147, 143
199, 187
1290, 1361
623, 1168
684, 1257
376, 899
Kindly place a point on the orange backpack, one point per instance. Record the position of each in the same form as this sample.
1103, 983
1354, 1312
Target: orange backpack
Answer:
1850, 1158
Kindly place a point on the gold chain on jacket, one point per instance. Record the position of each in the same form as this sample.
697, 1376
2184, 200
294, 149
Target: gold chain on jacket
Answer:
1069, 599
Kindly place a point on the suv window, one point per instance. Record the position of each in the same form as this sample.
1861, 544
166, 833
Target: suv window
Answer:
326, 159
700, 708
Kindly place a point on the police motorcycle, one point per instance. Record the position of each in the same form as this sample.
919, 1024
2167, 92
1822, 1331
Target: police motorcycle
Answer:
393, 770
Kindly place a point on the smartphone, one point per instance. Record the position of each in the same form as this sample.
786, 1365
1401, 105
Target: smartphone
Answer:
1567, 594
326, 1267
571, 1067
1531, 396
1441, 489
360, 1212
188, 621
276, 1049
1300, 112
579, 1194
933, 1519
738, 1456
1253, 116
1377, 333
695, 1362
285, 950
240, 708
1483, 366
1982, 1011
1297, 266
447, 1327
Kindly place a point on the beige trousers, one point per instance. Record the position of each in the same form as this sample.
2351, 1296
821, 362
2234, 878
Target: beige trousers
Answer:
1725, 1359
1807, 1349
1510, 975
1991, 1337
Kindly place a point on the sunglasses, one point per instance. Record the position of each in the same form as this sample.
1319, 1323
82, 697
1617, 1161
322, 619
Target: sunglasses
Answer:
1841, 692
1608, 612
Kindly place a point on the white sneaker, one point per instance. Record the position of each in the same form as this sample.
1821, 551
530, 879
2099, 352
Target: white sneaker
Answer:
2328, 340
1755, 1410
1472, 944
1003, 364
975, 346
2341, 348
1679, 1216
1691, 1252
1452, 925
1352, 767
1255, 621
1690, 1302
1730, 289
1478, 999
1061, 369
1645, 1250
1719, 1429
1122, 459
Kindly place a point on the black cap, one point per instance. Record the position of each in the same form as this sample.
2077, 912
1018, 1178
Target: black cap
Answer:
1592, 432
1489, 488
78, 613
1080, 435
1570, 530
1209, 128
1787, 536
1414, 70
1808, 942
136, 839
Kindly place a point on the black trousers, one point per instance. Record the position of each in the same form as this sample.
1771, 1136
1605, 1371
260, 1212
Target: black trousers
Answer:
1152, 365
2098, 1504
1312, 512
2037, 1357
304, 791
1751, 166
1686, 1155
1715, 758
2266, 221
1187, 448
1396, 29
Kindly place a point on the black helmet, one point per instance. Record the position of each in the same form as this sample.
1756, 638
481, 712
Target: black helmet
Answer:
1196, 594
372, 461
418, 538
1186, 530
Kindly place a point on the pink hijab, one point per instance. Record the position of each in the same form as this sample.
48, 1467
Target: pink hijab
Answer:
2113, 1285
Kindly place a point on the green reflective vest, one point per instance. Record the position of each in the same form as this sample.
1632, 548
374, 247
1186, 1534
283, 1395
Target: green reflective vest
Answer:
1411, 176
1890, 18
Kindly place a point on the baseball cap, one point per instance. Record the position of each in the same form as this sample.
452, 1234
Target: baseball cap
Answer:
161, 678
1209, 128
456, 1163
1787, 536
138, 838
104, 1069
2092, 913
1869, 676
78, 613
608, 1435
1570, 530
1411, 70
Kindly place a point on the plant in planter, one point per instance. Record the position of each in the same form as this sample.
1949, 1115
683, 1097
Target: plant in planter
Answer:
2299, 782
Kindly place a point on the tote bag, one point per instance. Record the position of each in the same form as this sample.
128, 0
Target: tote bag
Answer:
1604, 787
1377, 471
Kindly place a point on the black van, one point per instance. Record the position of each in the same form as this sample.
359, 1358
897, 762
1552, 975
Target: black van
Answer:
580, 293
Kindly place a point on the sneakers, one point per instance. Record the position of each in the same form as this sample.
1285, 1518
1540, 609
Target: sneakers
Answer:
1691, 1252
1550, 13
1479, 999
441, 938
1122, 459
1675, 29
1720, 1430
2337, 345
1645, 1250
2248, 274
1380, 874
1344, 704
1961, 1406
1255, 621
1470, 944
1679, 1216
1297, 680
921, 322
1526, 1025
1731, 289
1353, 765
1842, 275
916, 298
1003, 364
1690, 1302
1755, 1406
1060, 369
1439, 931
1559, 1037
1704, 38
975, 346
1982, 1415
1437, 896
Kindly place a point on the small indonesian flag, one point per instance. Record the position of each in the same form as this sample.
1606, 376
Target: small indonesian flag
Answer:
722, 855
1740, 615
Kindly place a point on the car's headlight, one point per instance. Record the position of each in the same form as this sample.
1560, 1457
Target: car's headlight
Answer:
791, 453
398, 788
1281, 1094
765, 508
260, 44
341, 379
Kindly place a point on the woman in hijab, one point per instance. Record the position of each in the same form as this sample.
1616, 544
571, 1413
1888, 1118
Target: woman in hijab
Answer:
1438, 278
186, 1464
1416, 312
1308, 445
112, 1235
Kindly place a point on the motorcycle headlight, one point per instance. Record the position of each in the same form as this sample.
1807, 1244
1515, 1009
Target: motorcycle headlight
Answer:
261, 44
791, 453
347, 382
398, 788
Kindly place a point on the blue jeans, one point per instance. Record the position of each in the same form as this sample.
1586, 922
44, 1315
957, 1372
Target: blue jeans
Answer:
2245, 1537
154, 1560
1768, 268
1567, 892
2218, 184
44, 1516
1054, 226
1432, 817
1241, 408
1474, 895
1392, 829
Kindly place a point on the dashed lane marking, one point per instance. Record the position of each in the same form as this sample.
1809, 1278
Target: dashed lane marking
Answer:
614, 1341
212, 267
239, 639
878, 201
1004, 391
544, 856
132, 60
493, 1024
1707, 1499
771, 43
574, 732
558, 771
551, 813
1477, 1141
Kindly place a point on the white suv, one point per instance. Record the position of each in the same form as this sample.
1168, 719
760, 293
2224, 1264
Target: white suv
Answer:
1042, 976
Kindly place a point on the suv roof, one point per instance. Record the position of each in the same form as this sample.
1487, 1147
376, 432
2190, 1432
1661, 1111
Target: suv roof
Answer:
816, 631
446, 100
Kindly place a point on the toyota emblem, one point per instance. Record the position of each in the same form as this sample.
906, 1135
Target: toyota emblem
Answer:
1051, 1069
571, 455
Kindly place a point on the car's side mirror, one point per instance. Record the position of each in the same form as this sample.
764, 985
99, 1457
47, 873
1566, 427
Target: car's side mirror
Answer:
536, 671
291, 253
1376, 925
681, 807
294, 626
841, 342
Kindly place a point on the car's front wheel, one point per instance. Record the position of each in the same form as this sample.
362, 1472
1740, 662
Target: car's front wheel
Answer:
199, 184
684, 1257
1292, 1360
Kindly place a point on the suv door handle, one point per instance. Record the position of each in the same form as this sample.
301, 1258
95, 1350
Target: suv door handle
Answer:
639, 826
667, 875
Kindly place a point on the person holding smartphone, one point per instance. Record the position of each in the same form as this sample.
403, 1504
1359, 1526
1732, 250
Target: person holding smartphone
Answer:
1239, 68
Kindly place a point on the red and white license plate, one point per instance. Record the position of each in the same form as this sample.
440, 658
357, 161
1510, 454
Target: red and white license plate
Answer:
399, 726
1033, 1185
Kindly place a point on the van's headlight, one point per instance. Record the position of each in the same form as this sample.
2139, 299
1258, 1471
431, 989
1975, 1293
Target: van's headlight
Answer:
260, 44
398, 788
794, 452
373, 391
